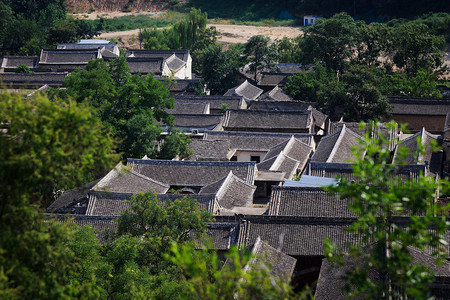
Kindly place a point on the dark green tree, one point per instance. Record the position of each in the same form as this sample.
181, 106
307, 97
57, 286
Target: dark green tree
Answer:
22, 69
261, 55
331, 41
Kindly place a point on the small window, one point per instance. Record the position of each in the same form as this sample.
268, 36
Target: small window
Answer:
255, 158
234, 158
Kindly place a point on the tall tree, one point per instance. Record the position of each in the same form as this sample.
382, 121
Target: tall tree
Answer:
331, 41
262, 55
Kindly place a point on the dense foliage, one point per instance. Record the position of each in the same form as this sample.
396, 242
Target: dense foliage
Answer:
377, 196
133, 106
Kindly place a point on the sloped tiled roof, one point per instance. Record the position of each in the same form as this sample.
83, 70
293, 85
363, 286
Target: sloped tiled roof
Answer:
297, 235
215, 102
419, 106
274, 80
291, 68
189, 108
145, 65
261, 141
192, 173
246, 90
337, 147
433, 159
280, 105
69, 198
275, 94
63, 56
181, 54
210, 150
292, 147
231, 191
122, 180
306, 202
202, 122
113, 204
281, 265
223, 235
272, 121
32, 80
174, 63
11, 62
330, 283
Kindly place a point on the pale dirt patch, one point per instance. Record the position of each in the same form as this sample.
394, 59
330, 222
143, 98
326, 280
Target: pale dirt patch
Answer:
118, 14
229, 34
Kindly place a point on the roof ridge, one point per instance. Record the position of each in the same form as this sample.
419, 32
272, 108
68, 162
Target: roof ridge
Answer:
336, 144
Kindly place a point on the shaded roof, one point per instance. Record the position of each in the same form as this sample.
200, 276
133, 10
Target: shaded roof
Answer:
280, 105
33, 80
145, 65
210, 150
246, 90
192, 173
419, 106
263, 120
281, 265
189, 108
337, 147
231, 191
181, 54
202, 122
103, 226
274, 79
124, 180
69, 198
306, 202
275, 94
183, 85
113, 204
215, 102
223, 235
288, 157
291, 68
330, 283
261, 141
11, 62
297, 235
63, 56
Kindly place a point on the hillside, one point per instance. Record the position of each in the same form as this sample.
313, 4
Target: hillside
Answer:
84, 6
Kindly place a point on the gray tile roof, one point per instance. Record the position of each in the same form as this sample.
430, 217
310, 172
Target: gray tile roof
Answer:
202, 122
288, 157
291, 68
63, 56
231, 191
419, 106
32, 80
102, 225
181, 54
145, 65
269, 121
113, 204
281, 265
274, 80
433, 159
210, 150
280, 105
124, 180
296, 235
246, 90
11, 62
261, 141
223, 235
275, 94
69, 199
306, 202
189, 108
184, 86
330, 283
215, 102
174, 63
192, 173
337, 147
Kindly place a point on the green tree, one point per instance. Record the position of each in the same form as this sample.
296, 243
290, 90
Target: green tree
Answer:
331, 41
262, 56
288, 50
175, 144
376, 196
45, 146
373, 41
22, 69
416, 49
218, 68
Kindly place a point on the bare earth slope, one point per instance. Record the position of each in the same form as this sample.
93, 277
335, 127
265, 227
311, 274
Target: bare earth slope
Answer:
84, 6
